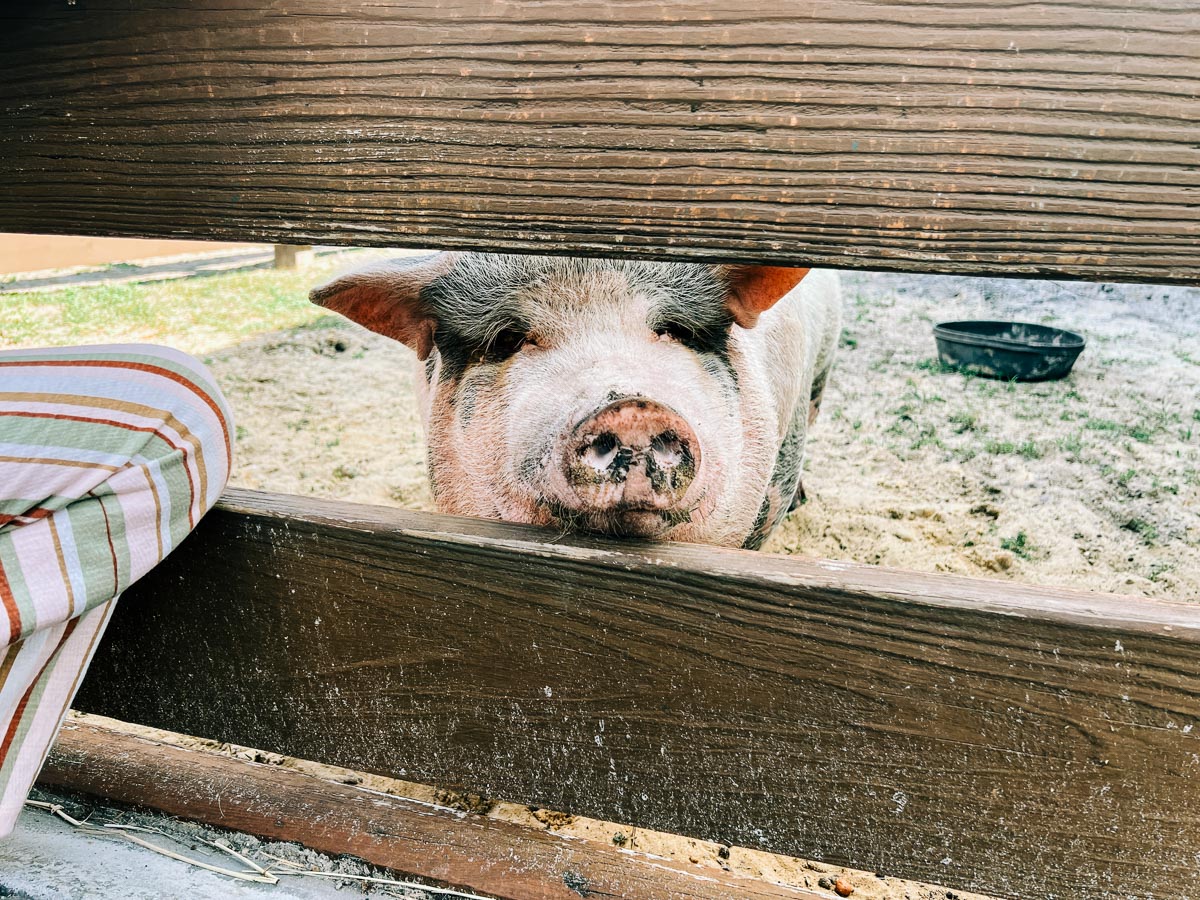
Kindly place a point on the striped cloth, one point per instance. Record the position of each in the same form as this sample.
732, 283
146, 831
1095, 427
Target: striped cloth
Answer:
108, 458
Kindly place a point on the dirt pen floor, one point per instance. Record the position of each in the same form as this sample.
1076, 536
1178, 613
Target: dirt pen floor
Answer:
1090, 482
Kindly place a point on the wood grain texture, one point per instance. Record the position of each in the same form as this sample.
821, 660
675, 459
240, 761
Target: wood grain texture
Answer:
981, 136
470, 853
1020, 741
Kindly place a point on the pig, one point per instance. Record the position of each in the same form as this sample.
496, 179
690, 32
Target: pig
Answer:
666, 401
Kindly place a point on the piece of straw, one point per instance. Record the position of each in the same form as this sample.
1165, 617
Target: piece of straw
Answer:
55, 809
388, 882
117, 830
241, 876
259, 874
216, 845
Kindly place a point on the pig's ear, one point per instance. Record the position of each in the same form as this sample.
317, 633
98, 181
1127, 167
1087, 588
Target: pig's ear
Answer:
386, 298
755, 289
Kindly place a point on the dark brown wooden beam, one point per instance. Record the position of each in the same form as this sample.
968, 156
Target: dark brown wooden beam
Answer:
986, 136
1020, 741
470, 853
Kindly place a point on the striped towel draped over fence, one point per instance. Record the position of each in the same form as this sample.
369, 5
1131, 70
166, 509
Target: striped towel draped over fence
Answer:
108, 458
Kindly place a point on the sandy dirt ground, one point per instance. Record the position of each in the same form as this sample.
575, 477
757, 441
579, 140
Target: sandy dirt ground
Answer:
1091, 482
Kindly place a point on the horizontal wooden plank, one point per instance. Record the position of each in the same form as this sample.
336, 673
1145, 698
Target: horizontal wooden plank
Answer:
470, 853
1053, 138
1019, 741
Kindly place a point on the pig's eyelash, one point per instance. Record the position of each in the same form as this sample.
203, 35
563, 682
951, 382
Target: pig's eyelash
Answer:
681, 333
507, 342
697, 335
503, 342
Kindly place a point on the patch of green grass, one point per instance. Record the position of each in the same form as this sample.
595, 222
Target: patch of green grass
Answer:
999, 448
1158, 486
1071, 444
927, 437
849, 341
935, 366
197, 314
1140, 431
1147, 531
913, 394
898, 427
1029, 449
965, 420
1158, 570
1028, 412
1018, 544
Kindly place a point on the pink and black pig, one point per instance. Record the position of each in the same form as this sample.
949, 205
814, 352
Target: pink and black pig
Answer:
659, 400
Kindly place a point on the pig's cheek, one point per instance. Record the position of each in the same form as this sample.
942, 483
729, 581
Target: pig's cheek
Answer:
488, 454
445, 473
718, 451
537, 419
449, 452
479, 437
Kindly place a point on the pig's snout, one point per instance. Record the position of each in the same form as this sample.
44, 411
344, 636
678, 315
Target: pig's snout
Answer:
632, 456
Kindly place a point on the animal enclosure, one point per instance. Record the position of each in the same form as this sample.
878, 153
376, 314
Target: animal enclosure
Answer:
1021, 741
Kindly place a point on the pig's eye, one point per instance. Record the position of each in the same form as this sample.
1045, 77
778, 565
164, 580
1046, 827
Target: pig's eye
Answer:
674, 332
507, 342
700, 337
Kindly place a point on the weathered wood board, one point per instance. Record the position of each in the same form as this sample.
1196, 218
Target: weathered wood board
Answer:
1026, 742
984, 136
469, 853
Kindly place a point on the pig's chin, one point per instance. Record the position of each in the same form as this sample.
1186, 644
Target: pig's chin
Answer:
632, 522
635, 523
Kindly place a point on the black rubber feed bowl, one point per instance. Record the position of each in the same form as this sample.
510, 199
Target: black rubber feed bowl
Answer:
1010, 350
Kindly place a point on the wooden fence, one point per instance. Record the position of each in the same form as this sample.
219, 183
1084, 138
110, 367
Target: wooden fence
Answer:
1026, 742
978, 136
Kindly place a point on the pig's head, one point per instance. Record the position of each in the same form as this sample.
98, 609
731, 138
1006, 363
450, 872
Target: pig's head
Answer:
592, 395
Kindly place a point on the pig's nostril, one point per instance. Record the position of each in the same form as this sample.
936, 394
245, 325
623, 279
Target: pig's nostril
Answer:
600, 451
667, 450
